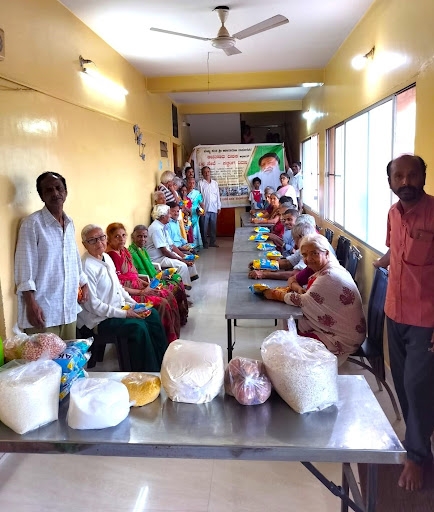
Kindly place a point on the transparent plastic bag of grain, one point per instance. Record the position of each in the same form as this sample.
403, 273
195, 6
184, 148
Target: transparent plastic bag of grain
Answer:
302, 371
29, 395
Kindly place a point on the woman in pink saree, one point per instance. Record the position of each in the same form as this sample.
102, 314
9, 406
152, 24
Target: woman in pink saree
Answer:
162, 300
331, 303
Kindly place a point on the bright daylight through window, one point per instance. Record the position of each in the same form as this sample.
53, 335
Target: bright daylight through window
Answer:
358, 150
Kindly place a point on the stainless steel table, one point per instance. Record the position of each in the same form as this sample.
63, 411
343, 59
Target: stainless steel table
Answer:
354, 431
241, 303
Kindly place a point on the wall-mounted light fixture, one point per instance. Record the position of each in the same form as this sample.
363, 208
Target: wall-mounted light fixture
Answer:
311, 115
360, 61
103, 84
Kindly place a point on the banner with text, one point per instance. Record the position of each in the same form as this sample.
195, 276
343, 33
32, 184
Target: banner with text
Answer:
233, 167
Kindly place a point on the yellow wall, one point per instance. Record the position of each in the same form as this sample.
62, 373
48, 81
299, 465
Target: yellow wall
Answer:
397, 26
62, 125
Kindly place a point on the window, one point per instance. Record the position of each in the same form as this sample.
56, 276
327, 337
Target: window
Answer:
358, 150
309, 161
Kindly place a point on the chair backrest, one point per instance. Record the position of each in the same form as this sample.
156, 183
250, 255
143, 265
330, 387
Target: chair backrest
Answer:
354, 257
328, 233
376, 308
343, 250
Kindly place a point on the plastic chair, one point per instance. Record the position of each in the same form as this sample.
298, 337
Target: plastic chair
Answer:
343, 250
372, 348
328, 233
354, 257
98, 347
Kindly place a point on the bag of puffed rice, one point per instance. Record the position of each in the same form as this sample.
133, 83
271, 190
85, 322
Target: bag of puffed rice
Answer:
302, 371
29, 395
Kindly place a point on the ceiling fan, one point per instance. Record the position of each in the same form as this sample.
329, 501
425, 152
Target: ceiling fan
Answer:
224, 41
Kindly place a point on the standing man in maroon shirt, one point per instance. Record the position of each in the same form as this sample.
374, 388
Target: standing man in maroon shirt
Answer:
410, 309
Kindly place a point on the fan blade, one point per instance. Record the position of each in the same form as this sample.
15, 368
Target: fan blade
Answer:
231, 51
179, 34
273, 22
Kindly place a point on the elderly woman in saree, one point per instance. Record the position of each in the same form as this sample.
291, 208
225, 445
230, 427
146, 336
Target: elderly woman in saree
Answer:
104, 311
196, 207
143, 264
162, 300
331, 304
272, 212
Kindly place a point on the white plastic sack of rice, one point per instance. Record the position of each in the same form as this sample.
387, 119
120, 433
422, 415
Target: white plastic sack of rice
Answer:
302, 371
97, 403
192, 372
29, 395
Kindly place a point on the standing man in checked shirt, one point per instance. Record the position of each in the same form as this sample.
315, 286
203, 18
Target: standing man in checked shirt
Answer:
211, 200
48, 269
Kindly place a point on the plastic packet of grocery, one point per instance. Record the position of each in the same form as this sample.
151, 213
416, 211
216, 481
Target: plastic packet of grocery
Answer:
44, 345
143, 388
191, 257
274, 255
262, 229
258, 238
266, 246
264, 264
143, 310
258, 288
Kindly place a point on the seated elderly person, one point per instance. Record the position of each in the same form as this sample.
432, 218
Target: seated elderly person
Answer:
161, 249
144, 266
138, 287
175, 231
159, 197
167, 186
331, 304
294, 262
104, 312
272, 213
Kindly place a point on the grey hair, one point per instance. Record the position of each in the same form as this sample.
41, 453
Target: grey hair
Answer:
87, 229
302, 229
167, 176
178, 181
140, 227
157, 194
305, 218
159, 210
320, 242
268, 190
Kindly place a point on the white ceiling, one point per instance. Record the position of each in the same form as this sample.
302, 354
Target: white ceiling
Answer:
315, 31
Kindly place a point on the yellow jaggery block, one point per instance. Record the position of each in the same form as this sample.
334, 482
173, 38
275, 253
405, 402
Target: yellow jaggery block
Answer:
143, 388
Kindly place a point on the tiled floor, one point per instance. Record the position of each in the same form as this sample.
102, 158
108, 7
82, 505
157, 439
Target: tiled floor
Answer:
67, 483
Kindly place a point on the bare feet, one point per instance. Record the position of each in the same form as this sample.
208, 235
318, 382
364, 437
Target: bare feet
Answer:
411, 478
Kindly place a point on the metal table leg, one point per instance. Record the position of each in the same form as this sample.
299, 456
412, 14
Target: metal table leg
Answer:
230, 344
371, 491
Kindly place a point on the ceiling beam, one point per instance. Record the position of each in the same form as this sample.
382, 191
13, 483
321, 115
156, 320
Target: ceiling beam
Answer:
234, 81
240, 107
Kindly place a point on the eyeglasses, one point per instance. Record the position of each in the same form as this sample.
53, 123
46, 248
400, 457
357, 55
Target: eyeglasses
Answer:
93, 241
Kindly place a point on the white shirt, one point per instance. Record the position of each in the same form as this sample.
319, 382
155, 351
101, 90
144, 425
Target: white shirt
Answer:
297, 182
211, 195
106, 295
47, 261
157, 238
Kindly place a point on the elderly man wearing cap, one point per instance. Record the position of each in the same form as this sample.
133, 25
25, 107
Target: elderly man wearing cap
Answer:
162, 250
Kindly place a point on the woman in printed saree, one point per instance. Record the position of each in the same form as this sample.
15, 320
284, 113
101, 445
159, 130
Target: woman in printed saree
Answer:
143, 264
105, 311
162, 300
196, 205
331, 304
